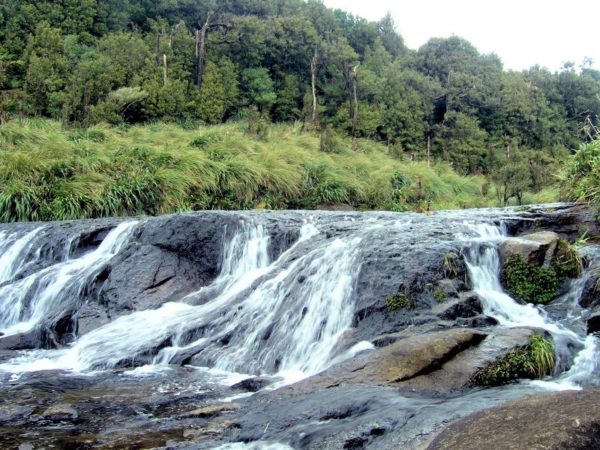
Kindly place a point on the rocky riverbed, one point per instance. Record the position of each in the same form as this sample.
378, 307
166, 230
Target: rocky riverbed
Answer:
295, 329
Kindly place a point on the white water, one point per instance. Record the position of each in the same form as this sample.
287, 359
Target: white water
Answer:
279, 317
483, 263
276, 317
12, 252
26, 302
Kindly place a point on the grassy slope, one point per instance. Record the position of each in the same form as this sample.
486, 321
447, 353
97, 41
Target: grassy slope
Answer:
48, 173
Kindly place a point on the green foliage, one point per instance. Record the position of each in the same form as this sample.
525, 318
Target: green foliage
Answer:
48, 172
205, 140
75, 61
398, 301
451, 268
92, 135
259, 88
536, 360
529, 283
330, 143
439, 296
582, 176
210, 100
566, 261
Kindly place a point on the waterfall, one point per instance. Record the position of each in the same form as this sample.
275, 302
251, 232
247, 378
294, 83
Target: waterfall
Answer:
258, 316
281, 316
483, 264
26, 302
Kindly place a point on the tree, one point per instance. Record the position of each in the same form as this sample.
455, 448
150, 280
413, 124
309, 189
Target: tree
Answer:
258, 88
408, 107
46, 70
201, 32
391, 40
461, 142
209, 102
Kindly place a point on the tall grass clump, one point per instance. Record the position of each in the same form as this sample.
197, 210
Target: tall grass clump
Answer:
48, 173
582, 175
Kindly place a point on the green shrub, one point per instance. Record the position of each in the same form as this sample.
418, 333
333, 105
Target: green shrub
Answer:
397, 301
451, 267
205, 140
439, 296
529, 283
566, 261
90, 135
535, 360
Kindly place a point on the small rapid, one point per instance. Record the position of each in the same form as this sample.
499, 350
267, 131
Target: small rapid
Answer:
574, 350
259, 316
26, 302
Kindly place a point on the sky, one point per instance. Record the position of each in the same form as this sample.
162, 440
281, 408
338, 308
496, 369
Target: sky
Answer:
521, 32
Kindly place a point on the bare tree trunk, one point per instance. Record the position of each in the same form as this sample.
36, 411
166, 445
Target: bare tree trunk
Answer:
351, 86
428, 151
157, 62
86, 100
313, 81
448, 95
201, 50
355, 98
165, 71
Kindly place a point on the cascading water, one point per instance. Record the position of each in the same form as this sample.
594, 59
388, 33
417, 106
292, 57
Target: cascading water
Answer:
259, 316
25, 303
483, 262
285, 295
11, 253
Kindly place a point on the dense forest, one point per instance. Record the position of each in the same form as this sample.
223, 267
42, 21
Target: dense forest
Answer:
191, 62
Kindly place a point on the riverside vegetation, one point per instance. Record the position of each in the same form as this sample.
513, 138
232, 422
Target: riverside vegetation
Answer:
49, 173
131, 64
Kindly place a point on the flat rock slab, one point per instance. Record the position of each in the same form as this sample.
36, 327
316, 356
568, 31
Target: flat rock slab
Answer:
536, 248
213, 410
564, 420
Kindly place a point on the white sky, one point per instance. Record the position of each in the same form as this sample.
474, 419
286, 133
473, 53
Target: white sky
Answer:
522, 32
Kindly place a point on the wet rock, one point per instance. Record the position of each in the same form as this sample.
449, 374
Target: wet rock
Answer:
19, 341
252, 384
593, 323
456, 373
564, 420
213, 410
537, 249
450, 287
467, 305
398, 362
61, 413
12, 412
566, 219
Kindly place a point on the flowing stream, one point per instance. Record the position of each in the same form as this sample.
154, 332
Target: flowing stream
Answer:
284, 314
483, 262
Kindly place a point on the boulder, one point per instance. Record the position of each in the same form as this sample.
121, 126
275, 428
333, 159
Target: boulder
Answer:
394, 364
253, 384
457, 373
19, 341
60, 413
562, 420
537, 249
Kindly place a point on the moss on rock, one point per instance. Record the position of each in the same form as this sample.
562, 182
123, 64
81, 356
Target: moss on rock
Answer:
535, 360
397, 301
534, 284
529, 283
